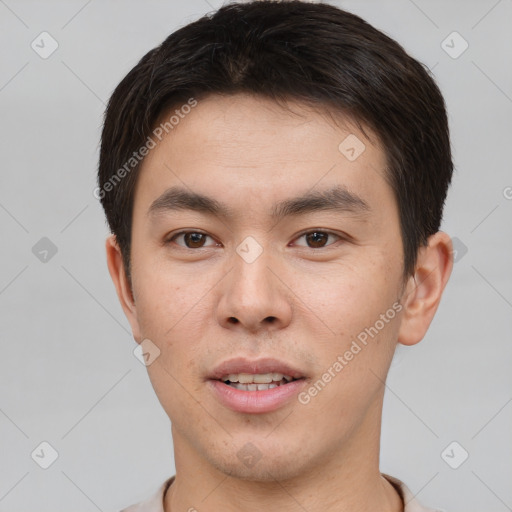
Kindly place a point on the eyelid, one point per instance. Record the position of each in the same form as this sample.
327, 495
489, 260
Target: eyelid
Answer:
320, 230
328, 232
173, 236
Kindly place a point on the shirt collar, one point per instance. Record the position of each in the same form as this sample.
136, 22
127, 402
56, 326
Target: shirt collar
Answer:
156, 502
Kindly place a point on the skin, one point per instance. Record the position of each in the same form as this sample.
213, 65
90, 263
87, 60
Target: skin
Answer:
250, 153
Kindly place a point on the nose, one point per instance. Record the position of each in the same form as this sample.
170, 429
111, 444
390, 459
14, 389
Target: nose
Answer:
253, 297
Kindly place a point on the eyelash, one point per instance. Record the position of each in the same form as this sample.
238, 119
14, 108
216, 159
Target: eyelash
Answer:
325, 232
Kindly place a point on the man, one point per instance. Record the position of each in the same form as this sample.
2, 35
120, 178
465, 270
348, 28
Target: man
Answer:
274, 177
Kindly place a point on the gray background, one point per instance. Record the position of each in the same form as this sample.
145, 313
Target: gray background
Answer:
67, 369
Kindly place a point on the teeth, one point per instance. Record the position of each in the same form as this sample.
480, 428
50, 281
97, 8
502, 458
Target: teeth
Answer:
260, 378
253, 387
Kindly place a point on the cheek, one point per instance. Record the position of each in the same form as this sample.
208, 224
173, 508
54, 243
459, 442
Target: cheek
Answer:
163, 299
351, 298
172, 315
359, 305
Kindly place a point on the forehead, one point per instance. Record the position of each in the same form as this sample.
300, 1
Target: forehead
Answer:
247, 150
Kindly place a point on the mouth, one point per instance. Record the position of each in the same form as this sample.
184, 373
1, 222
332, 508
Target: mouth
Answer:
256, 382
258, 386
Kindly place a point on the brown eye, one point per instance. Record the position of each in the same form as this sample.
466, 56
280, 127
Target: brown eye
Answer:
191, 239
194, 240
317, 239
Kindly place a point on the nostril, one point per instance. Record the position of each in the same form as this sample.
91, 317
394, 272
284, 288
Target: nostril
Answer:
233, 320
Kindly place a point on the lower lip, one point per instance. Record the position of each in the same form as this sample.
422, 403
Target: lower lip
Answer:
267, 400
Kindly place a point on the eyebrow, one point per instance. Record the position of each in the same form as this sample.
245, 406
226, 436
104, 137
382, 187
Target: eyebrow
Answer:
337, 198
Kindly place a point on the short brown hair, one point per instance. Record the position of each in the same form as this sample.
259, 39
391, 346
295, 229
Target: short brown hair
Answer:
291, 50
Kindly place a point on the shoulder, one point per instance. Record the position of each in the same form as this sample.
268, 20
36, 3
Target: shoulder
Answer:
155, 503
411, 504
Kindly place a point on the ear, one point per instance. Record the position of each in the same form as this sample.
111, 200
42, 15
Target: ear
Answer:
123, 289
425, 287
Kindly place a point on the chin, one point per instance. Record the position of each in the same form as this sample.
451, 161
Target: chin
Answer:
264, 471
267, 463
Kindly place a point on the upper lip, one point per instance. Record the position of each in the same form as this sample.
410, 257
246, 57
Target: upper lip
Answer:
254, 366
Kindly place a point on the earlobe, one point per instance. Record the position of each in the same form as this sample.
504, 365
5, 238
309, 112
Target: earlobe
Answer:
120, 280
424, 289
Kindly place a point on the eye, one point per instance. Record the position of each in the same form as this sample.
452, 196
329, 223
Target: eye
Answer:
317, 239
191, 239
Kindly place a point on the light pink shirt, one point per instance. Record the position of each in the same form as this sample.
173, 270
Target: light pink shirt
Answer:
156, 502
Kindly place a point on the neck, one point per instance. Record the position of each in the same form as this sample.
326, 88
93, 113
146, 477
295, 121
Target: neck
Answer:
347, 479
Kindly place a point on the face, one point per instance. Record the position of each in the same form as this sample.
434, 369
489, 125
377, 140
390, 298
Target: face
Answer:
290, 266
